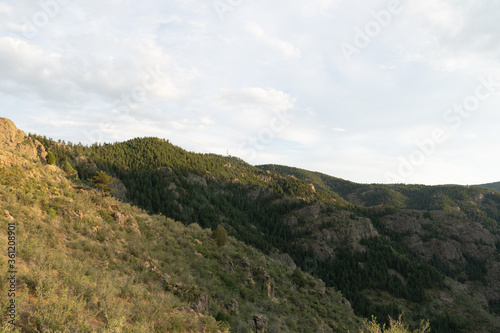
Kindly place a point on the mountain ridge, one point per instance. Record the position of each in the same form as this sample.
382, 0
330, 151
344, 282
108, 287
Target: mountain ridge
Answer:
428, 252
493, 186
90, 263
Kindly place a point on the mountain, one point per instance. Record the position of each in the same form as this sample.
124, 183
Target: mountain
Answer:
493, 186
430, 252
86, 262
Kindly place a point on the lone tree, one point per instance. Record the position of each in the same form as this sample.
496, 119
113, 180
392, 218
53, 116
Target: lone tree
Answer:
219, 235
51, 159
102, 181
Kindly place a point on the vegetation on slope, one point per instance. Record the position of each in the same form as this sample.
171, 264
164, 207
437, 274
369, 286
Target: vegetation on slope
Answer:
367, 252
492, 186
476, 203
89, 263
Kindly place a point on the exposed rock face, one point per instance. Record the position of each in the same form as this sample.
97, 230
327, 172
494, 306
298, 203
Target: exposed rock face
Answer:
291, 220
201, 304
125, 219
258, 323
194, 179
348, 231
120, 191
9, 159
230, 267
346, 302
10, 136
245, 262
14, 143
312, 211
451, 240
234, 307
285, 258
7, 215
470, 233
267, 282
403, 224
88, 163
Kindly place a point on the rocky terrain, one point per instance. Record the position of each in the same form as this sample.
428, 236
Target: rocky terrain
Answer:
16, 147
91, 263
430, 252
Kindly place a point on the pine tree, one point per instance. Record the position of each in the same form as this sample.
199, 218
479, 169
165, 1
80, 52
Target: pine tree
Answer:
220, 236
102, 181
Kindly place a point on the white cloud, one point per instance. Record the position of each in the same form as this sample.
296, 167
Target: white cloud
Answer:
207, 121
313, 8
286, 48
257, 98
450, 36
471, 136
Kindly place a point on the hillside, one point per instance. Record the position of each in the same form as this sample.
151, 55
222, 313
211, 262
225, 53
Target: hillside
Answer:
88, 263
477, 204
430, 252
492, 186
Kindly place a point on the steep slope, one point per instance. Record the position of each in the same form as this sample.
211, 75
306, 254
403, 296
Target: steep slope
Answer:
90, 263
478, 204
16, 148
428, 251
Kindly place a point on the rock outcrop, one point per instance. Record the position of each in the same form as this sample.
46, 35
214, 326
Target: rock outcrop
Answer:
267, 282
259, 323
16, 147
119, 189
201, 304
234, 307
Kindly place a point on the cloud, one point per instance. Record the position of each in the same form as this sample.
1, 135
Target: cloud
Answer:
470, 136
286, 48
450, 36
257, 98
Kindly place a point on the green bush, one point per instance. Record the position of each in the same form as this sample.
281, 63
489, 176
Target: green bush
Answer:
68, 168
51, 159
395, 326
220, 236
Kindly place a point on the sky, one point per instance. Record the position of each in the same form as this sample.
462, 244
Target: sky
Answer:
365, 90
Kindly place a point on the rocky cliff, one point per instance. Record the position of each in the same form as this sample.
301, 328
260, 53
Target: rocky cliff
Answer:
16, 146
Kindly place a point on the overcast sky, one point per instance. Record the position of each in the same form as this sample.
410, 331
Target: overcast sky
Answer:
369, 91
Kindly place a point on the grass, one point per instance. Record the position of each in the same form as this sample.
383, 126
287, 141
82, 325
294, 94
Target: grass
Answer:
82, 271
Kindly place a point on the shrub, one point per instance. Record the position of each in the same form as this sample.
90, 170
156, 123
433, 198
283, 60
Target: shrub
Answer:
395, 326
51, 159
69, 169
220, 236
